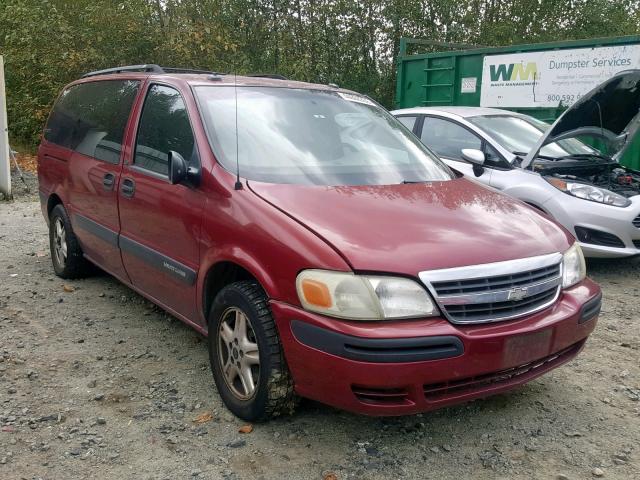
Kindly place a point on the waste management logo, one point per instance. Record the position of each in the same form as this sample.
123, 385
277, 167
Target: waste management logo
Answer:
511, 72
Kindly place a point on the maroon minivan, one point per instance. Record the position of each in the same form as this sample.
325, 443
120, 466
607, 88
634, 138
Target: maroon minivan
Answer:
322, 248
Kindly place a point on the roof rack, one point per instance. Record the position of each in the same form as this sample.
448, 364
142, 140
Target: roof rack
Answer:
274, 76
150, 68
189, 70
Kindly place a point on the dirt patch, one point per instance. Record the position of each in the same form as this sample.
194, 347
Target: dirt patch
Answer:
98, 383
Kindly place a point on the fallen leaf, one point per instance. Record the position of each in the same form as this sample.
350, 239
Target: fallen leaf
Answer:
8, 429
27, 162
204, 417
246, 429
330, 476
68, 288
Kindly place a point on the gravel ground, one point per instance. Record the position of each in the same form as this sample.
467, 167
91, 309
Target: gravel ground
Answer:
96, 382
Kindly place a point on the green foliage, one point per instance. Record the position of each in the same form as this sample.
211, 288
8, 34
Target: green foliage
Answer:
47, 43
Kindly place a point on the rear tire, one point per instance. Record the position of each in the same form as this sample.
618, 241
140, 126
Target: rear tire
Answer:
246, 355
66, 253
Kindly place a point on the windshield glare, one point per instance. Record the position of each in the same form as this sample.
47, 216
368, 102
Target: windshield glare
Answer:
519, 136
312, 137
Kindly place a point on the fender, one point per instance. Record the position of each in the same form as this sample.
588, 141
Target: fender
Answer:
45, 197
243, 259
53, 174
272, 262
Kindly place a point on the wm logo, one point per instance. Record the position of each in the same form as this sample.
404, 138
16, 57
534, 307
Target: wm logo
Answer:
513, 71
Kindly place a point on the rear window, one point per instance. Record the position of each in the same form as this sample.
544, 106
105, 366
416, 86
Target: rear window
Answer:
90, 118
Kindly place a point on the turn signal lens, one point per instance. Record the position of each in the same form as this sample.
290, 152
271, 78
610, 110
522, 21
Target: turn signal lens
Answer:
316, 293
556, 182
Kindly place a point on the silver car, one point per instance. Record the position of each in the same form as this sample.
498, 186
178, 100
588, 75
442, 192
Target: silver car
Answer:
549, 167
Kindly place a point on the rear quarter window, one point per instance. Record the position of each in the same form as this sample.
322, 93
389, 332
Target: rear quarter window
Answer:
90, 118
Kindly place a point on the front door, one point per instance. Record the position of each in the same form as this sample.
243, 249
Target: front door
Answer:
160, 222
447, 139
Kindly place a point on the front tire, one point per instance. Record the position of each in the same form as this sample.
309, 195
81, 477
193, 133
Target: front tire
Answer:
66, 253
246, 356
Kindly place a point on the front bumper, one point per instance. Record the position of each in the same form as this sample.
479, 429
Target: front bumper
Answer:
574, 212
406, 367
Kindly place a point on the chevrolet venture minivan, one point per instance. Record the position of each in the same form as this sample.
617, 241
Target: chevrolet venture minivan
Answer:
324, 251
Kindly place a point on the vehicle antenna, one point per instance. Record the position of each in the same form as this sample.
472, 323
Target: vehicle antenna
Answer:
238, 185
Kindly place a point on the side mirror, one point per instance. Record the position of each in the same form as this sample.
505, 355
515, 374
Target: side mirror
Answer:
177, 168
475, 158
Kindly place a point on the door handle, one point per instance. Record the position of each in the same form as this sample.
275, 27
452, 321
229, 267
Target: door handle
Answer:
128, 187
108, 181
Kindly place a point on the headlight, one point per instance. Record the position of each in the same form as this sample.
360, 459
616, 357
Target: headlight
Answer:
362, 297
573, 266
589, 192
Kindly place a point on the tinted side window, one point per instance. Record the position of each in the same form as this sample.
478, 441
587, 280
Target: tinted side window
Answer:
164, 126
408, 122
448, 139
90, 118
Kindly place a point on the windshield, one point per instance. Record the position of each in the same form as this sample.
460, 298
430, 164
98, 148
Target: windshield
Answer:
313, 137
519, 136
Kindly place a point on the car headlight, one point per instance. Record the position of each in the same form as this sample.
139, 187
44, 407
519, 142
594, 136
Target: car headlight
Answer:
589, 192
363, 297
573, 267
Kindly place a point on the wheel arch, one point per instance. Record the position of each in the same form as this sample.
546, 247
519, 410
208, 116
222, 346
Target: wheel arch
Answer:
224, 272
53, 200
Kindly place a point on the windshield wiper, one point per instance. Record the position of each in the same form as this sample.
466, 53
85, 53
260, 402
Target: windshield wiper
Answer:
544, 157
586, 155
406, 182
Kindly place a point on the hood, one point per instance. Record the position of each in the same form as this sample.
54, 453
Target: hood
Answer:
610, 112
409, 228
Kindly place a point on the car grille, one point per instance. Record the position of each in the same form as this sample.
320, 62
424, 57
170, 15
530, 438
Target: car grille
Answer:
381, 396
495, 283
636, 243
636, 221
477, 312
438, 391
496, 291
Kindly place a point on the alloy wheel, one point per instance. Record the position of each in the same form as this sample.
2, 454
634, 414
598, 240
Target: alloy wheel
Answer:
60, 242
238, 353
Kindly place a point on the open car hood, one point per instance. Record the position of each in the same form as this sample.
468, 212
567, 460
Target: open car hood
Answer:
611, 111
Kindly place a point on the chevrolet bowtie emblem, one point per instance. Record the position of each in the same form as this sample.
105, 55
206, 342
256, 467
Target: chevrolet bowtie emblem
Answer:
517, 293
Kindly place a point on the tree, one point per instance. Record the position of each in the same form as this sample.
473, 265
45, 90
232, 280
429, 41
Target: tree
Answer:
353, 43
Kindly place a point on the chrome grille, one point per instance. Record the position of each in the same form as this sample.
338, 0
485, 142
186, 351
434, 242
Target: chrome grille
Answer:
476, 312
496, 283
636, 221
496, 291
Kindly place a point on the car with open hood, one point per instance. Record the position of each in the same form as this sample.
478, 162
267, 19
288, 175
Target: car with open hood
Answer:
569, 170
324, 251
